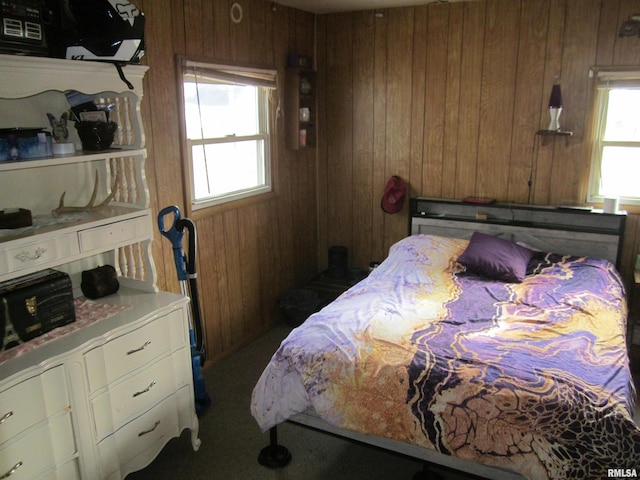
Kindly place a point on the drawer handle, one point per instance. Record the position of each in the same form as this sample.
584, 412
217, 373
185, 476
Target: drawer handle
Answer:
145, 390
12, 471
135, 350
5, 417
25, 256
155, 425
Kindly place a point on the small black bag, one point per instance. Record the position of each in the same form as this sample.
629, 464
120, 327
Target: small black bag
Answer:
99, 282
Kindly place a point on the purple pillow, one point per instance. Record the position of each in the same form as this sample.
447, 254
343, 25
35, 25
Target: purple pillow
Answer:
496, 258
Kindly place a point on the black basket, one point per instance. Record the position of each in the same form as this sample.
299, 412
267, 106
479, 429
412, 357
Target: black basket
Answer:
96, 136
298, 305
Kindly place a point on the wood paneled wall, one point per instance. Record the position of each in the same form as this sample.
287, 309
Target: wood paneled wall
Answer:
449, 97
249, 255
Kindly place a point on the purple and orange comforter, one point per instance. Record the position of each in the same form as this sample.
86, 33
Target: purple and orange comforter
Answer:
533, 377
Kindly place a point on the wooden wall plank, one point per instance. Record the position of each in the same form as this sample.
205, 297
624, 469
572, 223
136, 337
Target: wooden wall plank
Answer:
398, 130
209, 292
178, 34
607, 31
464, 82
418, 94
363, 107
379, 135
434, 160
208, 26
258, 44
339, 108
218, 326
322, 197
234, 262
544, 154
529, 82
249, 250
497, 97
578, 54
284, 43
221, 30
194, 40
159, 94
305, 33
446, 181
270, 255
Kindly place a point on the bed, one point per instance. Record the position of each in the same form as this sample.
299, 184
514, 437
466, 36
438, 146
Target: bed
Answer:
484, 354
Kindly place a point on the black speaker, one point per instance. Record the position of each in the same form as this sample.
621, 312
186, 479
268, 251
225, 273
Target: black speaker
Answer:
338, 262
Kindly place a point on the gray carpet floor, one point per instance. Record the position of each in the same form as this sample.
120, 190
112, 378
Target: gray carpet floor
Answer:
231, 440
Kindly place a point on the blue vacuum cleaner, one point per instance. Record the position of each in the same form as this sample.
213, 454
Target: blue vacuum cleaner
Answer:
186, 269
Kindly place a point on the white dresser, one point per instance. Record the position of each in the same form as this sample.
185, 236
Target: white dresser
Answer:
102, 400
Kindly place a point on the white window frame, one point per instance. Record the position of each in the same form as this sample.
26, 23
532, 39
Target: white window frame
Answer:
266, 81
606, 80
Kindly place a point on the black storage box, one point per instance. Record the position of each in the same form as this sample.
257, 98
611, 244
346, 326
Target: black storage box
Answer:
34, 304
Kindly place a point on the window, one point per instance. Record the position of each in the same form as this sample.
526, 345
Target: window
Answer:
615, 159
227, 119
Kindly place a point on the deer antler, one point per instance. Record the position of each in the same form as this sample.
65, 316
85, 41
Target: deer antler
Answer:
89, 206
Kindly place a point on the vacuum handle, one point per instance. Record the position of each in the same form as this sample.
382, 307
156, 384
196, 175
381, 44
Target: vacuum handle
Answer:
187, 223
185, 266
174, 234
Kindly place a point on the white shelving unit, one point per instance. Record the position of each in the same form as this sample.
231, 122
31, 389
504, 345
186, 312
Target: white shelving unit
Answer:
105, 398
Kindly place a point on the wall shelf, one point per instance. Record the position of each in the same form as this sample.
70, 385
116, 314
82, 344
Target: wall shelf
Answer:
554, 133
300, 92
548, 135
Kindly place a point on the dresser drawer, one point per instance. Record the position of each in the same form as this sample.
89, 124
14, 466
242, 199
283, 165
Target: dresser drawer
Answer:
36, 253
31, 401
135, 395
114, 235
66, 471
147, 433
39, 450
132, 350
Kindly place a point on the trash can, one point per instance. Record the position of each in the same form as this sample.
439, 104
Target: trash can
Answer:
297, 305
338, 262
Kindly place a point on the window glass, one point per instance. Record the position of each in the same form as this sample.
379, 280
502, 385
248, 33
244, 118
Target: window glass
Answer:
623, 119
227, 167
213, 110
620, 172
227, 115
615, 161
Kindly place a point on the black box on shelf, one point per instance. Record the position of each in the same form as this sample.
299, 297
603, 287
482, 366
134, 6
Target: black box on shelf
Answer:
15, 218
34, 304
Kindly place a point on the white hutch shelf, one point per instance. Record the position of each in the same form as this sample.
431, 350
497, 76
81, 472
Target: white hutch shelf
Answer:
102, 400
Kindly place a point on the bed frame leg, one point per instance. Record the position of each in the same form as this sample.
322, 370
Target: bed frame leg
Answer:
274, 455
